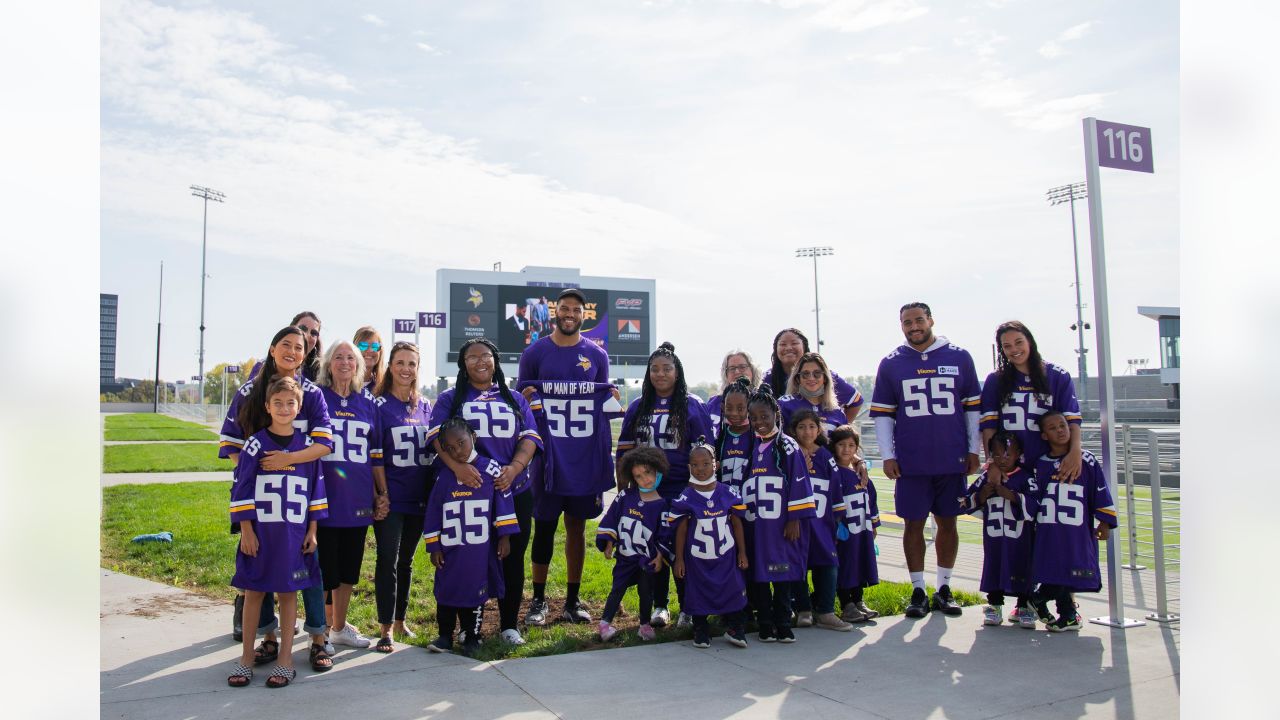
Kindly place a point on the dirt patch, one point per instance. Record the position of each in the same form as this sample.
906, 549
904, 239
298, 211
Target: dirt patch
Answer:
156, 605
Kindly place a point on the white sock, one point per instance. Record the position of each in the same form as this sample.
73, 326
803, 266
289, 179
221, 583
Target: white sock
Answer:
917, 580
944, 576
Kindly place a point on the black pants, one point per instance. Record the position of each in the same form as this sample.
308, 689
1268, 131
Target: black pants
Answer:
735, 620
662, 588
644, 589
848, 595
997, 598
513, 565
397, 535
1061, 595
772, 604
449, 618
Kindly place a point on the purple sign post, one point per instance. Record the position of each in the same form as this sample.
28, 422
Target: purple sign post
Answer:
1123, 147
433, 320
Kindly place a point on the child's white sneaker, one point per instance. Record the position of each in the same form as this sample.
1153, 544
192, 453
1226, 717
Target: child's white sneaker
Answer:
991, 615
350, 637
606, 631
511, 636
1026, 618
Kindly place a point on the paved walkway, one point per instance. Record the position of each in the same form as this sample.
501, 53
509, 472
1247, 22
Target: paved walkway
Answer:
109, 479
166, 654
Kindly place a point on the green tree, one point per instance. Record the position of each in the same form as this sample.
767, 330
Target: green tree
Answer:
705, 390
216, 377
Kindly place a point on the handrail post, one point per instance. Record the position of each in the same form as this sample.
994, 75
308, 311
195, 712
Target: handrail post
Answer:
1131, 520
1157, 530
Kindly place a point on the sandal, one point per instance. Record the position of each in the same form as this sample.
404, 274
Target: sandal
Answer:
281, 677
241, 676
384, 645
267, 651
320, 660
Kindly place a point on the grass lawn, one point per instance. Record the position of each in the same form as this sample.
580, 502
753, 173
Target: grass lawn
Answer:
202, 557
167, 457
151, 426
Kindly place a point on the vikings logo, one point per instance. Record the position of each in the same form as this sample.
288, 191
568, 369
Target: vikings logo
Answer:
476, 298
584, 363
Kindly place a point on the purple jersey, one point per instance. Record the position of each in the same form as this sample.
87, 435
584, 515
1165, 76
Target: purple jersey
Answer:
280, 506
357, 448
659, 433
828, 419
713, 583
857, 552
313, 419
712, 406
1022, 413
847, 395
573, 421
735, 455
1066, 550
545, 360
464, 524
407, 456
926, 397
776, 493
828, 507
1008, 534
499, 428
635, 527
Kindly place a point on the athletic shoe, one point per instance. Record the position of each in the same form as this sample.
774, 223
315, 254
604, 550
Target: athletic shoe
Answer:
919, 605
1065, 624
511, 636
866, 610
661, 616
350, 637
785, 635
701, 638
736, 636
943, 601
685, 621
851, 613
329, 649
830, 621
767, 634
537, 614
237, 616
577, 613
606, 631
441, 644
470, 647
647, 632
1026, 618
991, 615
1013, 616
1041, 608
804, 618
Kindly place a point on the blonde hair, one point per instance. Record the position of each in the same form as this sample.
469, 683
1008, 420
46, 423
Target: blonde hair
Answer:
325, 376
829, 390
376, 371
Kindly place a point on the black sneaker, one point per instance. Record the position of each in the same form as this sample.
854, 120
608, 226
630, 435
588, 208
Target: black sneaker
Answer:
237, 620
701, 638
1066, 624
441, 644
919, 605
1041, 606
943, 601
537, 614
736, 636
576, 613
785, 635
470, 647
767, 635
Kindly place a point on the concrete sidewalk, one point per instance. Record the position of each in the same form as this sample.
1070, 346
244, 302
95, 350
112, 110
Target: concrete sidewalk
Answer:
148, 478
166, 654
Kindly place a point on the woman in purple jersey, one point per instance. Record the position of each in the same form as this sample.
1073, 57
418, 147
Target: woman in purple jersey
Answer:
369, 342
357, 487
811, 387
1018, 394
310, 325
736, 364
788, 346
505, 432
405, 419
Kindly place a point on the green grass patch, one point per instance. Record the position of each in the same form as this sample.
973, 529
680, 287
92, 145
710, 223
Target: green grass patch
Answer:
134, 421
161, 433
202, 559
168, 457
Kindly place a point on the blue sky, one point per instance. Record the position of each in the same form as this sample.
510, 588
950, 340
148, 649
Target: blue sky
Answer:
363, 145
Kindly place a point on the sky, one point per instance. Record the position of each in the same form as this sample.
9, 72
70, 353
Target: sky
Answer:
361, 146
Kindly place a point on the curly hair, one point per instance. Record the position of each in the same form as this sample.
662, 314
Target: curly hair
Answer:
647, 456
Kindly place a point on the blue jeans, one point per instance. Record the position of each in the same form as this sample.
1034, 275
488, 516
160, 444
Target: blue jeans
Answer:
312, 604
823, 599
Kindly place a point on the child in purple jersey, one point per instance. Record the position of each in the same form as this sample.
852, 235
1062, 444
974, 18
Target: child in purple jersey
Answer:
829, 509
460, 523
856, 534
734, 438
711, 558
277, 514
1065, 558
779, 498
1008, 511
736, 364
634, 526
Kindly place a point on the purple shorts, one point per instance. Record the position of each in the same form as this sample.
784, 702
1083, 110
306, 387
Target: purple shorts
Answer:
547, 506
916, 496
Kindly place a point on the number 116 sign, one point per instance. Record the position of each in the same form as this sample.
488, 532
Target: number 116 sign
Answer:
1124, 147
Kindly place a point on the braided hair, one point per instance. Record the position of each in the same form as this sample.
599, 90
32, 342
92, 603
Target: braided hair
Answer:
778, 375
464, 379
677, 422
742, 387
764, 396
253, 415
1009, 374
1003, 439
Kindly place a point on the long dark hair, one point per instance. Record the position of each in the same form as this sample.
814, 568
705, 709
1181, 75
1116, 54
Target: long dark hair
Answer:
778, 375
764, 396
677, 422
310, 364
1009, 374
460, 388
800, 415
253, 414
741, 386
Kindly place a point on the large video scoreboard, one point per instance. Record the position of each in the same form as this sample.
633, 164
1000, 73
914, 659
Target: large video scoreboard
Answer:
514, 309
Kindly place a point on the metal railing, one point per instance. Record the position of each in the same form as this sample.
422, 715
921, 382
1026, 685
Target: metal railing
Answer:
1159, 547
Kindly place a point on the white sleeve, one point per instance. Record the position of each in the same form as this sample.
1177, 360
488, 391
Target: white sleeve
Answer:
971, 419
884, 437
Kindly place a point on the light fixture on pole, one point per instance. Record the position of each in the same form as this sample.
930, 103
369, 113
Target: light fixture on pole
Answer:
814, 252
1057, 196
206, 194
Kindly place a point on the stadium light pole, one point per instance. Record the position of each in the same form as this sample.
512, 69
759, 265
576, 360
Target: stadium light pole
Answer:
815, 252
207, 194
155, 405
1057, 196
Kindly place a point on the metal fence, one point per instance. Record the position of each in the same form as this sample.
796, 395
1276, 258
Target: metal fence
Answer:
205, 414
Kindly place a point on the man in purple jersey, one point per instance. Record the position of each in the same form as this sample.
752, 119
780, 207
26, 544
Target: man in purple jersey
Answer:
563, 355
925, 407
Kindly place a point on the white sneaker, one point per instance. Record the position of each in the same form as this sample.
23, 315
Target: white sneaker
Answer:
350, 637
661, 616
804, 618
991, 615
685, 621
512, 637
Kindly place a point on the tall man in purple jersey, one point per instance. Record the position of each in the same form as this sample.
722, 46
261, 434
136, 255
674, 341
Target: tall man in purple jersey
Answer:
563, 355
925, 407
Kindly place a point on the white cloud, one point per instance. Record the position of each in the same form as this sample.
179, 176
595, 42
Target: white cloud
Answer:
373, 20
1051, 50
1054, 49
855, 15
1058, 113
1075, 32
428, 49
897, 57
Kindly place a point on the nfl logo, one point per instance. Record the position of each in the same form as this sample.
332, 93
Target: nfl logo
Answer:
710, 504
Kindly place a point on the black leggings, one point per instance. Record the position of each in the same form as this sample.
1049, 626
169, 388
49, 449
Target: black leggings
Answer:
997, 598
848, 595
513, 564
449, 617
397, 535
544, 541
644, 590
772, 605
735, 620
662, 587
1061, 594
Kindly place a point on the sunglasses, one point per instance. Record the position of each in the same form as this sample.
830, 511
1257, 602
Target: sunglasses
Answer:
367, 346
812, 374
